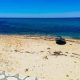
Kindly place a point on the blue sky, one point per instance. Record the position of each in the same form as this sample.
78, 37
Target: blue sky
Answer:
40, 8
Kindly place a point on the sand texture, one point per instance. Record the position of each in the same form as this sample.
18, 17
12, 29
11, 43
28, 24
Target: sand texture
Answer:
40, 57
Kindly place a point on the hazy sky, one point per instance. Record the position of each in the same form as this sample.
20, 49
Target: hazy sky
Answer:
40, 8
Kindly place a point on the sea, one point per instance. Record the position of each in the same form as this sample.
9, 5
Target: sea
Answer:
66, 27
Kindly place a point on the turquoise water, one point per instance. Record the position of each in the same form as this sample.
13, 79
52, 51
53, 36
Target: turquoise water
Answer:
67, 27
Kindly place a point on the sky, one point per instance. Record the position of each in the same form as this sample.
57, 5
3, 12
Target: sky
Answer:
39, 8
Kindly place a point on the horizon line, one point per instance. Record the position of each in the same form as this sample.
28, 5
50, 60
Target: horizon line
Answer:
41, 15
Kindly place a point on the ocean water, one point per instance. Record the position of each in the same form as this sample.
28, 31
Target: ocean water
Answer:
67, 27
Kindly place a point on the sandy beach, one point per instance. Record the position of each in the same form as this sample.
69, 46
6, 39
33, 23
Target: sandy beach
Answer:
36, 56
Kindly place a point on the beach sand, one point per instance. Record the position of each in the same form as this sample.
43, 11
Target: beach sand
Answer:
37, 56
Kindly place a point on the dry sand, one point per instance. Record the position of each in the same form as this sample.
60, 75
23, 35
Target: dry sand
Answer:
36, 56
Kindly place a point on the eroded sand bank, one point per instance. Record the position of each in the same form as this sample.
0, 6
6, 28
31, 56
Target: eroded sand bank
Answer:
35, 56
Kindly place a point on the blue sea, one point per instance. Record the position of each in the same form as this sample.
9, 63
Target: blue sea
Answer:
67, 27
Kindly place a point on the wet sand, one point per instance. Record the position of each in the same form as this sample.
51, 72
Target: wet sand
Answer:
40, 56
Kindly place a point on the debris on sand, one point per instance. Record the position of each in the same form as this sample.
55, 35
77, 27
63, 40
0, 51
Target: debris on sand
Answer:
48, 48
27, 52
26, 69
66, 52
16, 50
41, 51
45, 57
57, 53
67, 75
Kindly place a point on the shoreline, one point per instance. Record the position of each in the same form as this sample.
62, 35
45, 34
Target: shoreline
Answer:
42, 35
51, 38
36, 35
